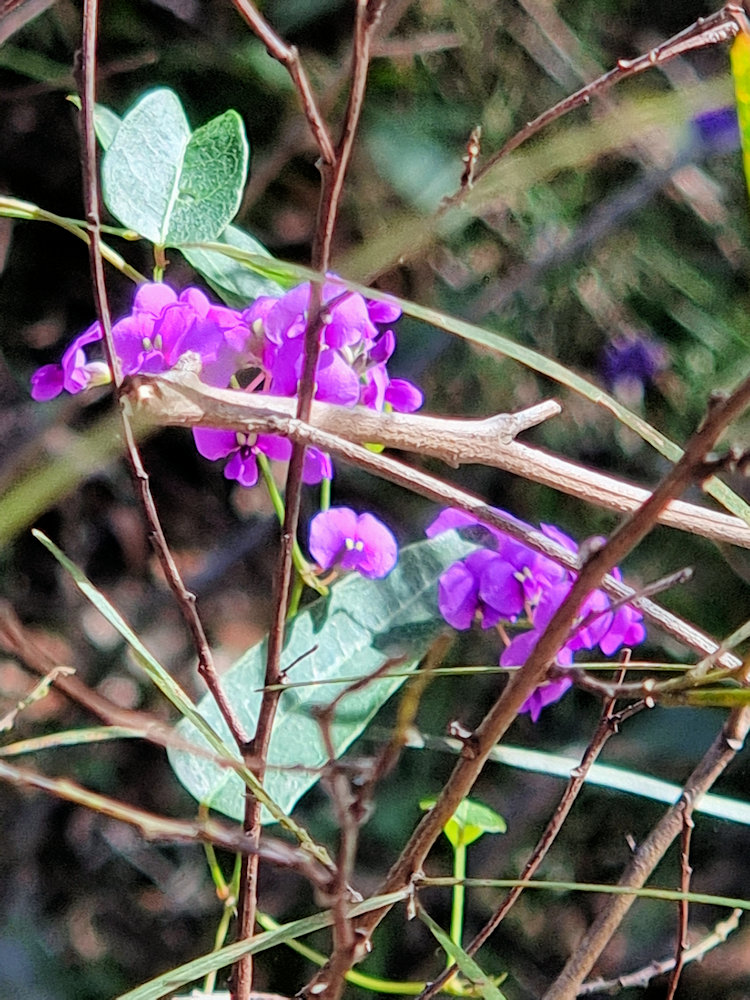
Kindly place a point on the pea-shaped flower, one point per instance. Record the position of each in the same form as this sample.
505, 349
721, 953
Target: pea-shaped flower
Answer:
340, 537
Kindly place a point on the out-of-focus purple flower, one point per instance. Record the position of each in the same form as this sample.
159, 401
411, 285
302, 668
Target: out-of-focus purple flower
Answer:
629, 363
339, 536
718, 129
508, 580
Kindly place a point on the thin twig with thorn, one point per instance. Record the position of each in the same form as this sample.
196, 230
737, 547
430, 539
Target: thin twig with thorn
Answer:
683, 906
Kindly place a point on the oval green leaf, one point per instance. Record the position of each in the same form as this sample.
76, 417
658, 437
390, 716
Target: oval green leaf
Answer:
236, 282
350, 634
171, 185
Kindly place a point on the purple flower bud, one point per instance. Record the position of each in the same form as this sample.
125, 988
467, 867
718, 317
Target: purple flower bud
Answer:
718, 129
338, 536
75, 373
631, 362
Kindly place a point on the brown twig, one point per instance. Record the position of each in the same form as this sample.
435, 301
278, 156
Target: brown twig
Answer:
722, 26
642, 977
179, 399
608, 725
723, 750
683, 906
439, 492
165, 829
288, 56
185, 599
334, 165
523, 683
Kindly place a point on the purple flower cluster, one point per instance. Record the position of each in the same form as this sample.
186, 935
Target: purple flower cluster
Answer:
268, 338
510, 581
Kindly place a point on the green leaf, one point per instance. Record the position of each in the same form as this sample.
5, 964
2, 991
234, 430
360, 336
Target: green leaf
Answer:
352, 632
106, 125
237, 283
106, 122
469, 822
167, 184
479, 980
181, 701
212, 177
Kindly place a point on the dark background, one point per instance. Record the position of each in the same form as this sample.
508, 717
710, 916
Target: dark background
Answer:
625, 250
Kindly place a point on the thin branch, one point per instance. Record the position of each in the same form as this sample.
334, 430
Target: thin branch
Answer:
722, 26
523, 683
435, 489
154, 827
288, 56
683, 906
721, 753
335, 163
608, 725
642, 977
180, 399
185, 599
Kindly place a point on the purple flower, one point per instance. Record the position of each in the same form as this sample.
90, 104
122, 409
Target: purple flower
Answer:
508, 580
629, 363
75, 373
160, 328
340, 537
718, 129
241, 450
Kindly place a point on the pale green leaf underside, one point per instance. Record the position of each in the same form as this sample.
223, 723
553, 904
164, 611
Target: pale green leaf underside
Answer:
353, 632
167, 184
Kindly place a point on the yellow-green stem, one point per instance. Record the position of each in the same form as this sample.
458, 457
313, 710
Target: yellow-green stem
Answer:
459, 895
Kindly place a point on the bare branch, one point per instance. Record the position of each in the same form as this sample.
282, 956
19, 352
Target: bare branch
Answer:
185, 599
642, 977
723, 750
162, 828
180, 399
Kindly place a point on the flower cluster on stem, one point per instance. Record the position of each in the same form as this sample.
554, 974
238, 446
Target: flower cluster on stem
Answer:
266, 340
509, 584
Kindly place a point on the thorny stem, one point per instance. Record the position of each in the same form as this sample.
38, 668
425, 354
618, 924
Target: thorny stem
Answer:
683, 906
185, 599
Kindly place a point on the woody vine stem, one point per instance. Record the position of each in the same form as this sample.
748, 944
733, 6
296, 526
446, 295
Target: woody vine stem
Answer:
303, 428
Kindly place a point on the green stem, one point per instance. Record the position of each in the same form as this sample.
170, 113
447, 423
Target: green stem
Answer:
459, 895
325, 494
300, 563
14, 208
228, 893
361, 979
